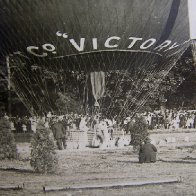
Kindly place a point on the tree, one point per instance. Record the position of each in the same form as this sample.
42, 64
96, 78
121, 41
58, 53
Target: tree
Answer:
138, 131
170, 84
66, 104
7, 142
125, 88
43, 155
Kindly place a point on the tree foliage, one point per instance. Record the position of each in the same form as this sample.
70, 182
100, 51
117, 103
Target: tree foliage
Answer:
43, 155
124, 86
7, 142
138, 131
67, 104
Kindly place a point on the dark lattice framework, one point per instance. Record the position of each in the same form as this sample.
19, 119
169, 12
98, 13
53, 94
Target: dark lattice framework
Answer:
51, 27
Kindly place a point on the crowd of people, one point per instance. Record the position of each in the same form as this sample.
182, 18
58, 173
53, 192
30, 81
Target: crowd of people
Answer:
62, 125
169, 119
103, 127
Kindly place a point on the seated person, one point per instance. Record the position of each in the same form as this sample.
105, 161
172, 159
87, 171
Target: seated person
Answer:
147, 153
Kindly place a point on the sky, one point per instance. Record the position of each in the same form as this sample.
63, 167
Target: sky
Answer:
192, 18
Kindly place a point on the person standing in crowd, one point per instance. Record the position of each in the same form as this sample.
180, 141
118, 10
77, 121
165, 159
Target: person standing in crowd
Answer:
13, 129
84, 128
19, 125
166, 122
147, 153
102, 129
59, 132
33, 121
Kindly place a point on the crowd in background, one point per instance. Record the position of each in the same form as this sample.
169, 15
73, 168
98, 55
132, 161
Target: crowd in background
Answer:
169, 119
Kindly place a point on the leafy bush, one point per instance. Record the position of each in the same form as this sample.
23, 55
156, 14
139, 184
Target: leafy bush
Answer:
7, 142
138, 131
43, 155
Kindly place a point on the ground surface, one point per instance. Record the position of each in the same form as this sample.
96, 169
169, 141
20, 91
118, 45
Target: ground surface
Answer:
96, 166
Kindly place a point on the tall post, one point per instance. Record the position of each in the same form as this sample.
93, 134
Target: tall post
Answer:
192, 18
8, 84
194, 51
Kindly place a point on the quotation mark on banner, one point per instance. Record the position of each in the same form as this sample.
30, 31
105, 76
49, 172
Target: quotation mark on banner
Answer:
59, 34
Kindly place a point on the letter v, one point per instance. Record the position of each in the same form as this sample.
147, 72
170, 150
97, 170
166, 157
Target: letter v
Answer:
80, 47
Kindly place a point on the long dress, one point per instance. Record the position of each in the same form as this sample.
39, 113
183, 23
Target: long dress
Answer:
84, 128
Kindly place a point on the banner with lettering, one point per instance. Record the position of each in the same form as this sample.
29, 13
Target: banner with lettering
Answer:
85, 34
54, 44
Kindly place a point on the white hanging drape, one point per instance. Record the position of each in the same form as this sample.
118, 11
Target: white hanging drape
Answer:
98, 85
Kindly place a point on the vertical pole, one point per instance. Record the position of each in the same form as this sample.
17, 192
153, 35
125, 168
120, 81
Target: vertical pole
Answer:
8, 84
194, 52
192, 18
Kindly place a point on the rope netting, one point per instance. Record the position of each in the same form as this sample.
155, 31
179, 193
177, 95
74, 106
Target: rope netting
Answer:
36, 84
45, 63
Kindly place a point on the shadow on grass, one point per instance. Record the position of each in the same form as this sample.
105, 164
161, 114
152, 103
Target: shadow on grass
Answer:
17, 170
128, 161
175, 161
193, 147
189, 158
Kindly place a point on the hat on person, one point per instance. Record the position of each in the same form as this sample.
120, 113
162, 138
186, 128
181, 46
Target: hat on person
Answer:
147, 139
